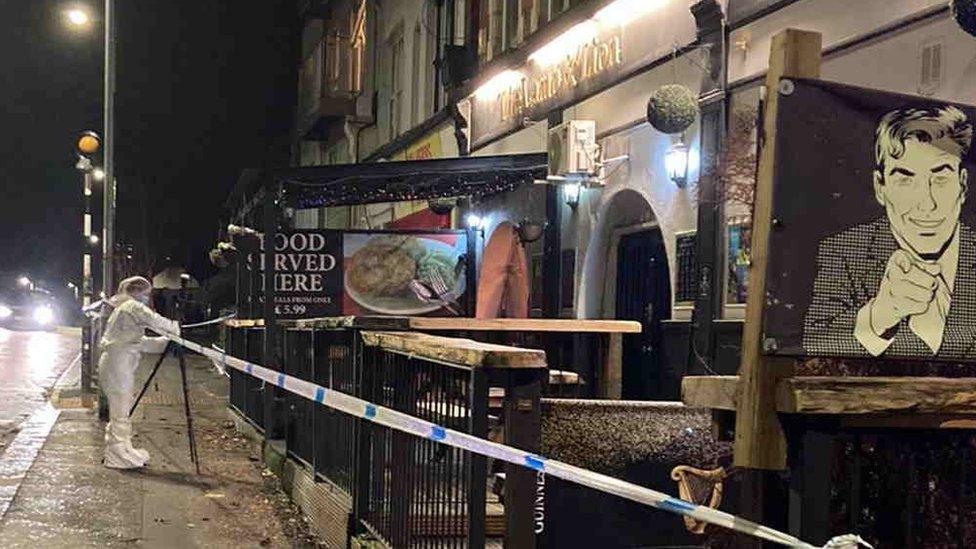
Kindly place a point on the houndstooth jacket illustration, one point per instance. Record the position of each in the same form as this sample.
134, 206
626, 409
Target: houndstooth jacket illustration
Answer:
849, 270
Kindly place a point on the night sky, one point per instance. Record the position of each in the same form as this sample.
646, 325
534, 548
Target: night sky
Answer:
205, 89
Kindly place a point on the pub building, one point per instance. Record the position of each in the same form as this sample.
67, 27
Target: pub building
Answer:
544, 130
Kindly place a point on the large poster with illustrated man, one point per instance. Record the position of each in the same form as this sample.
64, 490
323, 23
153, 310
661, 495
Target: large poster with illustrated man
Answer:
873, 250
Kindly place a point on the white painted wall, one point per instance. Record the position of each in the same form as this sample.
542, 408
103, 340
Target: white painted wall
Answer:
393, 17
894, 64
837, 20
674, 209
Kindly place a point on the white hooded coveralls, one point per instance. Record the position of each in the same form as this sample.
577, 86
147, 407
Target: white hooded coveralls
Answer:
121, 347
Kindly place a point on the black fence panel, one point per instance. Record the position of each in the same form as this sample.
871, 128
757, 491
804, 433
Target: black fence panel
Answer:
335, 366
254, 387
420, 493
299, 430
237, 347
908, 489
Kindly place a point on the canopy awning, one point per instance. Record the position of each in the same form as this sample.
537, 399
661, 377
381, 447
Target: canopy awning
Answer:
347, 184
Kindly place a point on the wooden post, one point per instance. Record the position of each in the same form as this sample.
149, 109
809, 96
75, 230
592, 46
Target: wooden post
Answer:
759, 439
611, 378
523, 426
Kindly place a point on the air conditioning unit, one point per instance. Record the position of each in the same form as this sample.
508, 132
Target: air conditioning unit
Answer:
573, 152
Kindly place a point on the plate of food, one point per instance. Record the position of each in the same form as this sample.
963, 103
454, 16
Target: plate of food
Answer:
403, 274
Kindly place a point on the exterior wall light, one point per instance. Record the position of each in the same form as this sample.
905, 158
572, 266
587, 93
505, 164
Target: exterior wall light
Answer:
676, 162
565, 45
622, 12
475, 221
571, 192
502, 81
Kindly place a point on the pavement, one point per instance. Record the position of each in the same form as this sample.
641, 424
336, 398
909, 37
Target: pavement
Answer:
65, 498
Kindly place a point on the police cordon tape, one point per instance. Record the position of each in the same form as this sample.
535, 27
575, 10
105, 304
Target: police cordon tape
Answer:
424, 429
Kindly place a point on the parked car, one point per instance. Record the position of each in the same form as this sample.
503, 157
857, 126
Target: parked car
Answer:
34, 309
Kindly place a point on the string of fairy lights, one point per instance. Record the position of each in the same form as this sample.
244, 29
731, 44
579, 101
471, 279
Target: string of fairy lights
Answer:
358, 190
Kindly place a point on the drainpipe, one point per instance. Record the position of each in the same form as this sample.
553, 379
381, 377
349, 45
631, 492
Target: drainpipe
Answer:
712, 35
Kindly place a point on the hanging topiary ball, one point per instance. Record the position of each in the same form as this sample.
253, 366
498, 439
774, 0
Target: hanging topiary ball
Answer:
964, 12
441, 206
672, 109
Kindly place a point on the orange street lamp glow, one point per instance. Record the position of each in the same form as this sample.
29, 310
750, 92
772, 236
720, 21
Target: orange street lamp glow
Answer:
89, 143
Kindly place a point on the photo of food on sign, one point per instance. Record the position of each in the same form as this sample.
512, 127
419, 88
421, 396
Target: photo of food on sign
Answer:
398, 274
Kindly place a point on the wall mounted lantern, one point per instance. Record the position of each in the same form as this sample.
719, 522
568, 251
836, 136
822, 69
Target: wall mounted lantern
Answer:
676, 162
572, 191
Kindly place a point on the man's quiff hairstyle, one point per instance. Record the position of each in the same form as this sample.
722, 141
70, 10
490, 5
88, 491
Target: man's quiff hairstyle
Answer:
947, 125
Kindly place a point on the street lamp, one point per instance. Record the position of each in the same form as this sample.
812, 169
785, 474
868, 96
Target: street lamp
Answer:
24, 281
77, 17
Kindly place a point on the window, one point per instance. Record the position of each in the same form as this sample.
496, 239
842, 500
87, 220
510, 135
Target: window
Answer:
419, 88
395, 46
491, 29
737, 179
686, 257
530, 16
431, 55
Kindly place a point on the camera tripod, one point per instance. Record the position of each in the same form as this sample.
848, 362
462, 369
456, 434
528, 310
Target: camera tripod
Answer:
179, 352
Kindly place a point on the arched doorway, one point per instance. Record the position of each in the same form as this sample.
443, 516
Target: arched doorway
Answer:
627, 277
503, 284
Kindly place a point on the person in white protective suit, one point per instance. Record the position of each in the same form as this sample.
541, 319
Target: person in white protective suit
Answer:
122, 344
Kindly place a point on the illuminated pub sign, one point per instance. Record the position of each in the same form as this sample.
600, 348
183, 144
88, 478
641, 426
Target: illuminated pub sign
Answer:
589, 57
325, 273
890, 272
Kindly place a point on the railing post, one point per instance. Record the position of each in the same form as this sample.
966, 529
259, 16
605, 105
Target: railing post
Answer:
367, 377
523, 428
477, 464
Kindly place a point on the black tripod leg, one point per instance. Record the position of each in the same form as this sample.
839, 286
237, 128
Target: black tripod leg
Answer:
186, 410
166, 350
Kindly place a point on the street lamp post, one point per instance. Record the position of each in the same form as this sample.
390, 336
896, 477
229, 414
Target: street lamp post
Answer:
88, 144
78, 17
108, 197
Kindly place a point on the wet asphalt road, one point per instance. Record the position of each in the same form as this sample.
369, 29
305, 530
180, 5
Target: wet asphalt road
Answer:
30, 364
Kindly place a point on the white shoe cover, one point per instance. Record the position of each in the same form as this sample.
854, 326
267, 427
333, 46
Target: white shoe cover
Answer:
117, 458
141, 455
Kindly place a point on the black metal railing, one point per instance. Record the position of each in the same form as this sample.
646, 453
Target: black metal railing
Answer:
336, 366
419, 493
404, 490
299, 425
254, 399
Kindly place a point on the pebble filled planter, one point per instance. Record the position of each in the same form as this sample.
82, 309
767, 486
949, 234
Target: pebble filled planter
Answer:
638, 441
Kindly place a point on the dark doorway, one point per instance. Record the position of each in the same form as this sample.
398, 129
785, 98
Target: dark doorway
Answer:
644, 295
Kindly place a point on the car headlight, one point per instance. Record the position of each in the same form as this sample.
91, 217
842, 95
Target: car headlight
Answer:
43, 315
5, 312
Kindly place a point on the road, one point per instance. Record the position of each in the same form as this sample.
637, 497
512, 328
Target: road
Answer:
30, 364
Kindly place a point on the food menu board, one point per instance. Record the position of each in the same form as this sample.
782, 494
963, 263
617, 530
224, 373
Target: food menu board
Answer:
405, 274
320, 273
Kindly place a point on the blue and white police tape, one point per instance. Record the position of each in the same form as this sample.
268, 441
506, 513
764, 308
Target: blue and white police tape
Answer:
425, 429
220, 320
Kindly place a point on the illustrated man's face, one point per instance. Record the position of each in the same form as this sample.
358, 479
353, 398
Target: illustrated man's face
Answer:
923, 192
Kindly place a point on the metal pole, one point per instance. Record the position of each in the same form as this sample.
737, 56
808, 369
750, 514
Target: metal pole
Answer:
87, 360
108, 137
